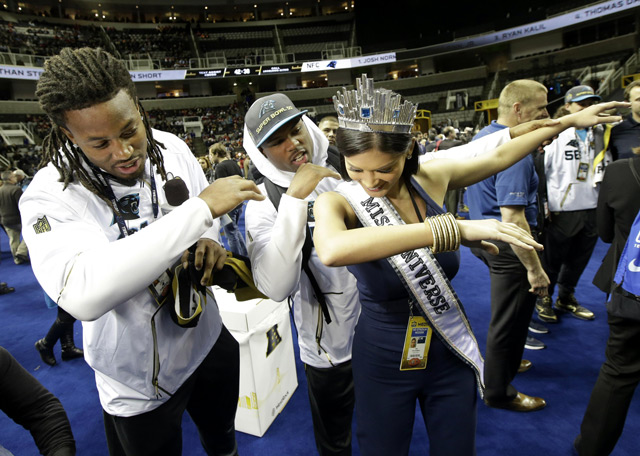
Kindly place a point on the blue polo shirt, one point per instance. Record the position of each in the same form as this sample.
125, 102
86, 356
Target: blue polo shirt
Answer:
515, 186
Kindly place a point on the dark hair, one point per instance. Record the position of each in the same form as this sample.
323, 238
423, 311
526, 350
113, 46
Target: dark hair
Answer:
354, 142
78, 79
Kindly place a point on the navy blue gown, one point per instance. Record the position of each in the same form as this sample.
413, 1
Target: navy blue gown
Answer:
385, 396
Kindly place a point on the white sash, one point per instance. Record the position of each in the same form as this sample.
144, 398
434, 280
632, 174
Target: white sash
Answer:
422, 276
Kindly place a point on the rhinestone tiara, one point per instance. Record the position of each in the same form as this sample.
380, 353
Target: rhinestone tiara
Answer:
373, 110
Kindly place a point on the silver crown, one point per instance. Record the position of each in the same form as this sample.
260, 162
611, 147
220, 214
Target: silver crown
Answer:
373, 110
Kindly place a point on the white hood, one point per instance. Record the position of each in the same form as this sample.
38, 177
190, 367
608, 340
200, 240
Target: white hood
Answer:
283, 178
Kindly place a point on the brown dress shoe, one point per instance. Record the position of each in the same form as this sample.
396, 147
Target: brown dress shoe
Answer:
525, 365
521, 403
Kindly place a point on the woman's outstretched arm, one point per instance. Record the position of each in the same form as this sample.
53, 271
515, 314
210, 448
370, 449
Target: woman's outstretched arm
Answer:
339, 243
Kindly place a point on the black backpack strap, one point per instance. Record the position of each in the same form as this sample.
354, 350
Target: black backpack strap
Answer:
274, 193
333, 157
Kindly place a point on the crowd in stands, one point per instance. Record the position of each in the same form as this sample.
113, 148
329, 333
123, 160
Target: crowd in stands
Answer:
38, 39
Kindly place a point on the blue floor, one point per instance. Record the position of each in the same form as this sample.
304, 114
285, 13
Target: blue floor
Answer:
563, 374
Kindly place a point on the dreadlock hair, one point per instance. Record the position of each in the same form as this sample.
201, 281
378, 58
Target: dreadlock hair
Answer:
77, 79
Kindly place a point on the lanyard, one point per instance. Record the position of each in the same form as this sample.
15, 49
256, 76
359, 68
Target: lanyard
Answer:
104, 180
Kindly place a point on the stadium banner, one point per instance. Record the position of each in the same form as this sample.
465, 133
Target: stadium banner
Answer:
559, 22
341, 64
20, 72
157, 75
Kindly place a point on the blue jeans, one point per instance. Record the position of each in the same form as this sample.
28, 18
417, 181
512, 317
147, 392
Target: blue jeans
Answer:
235, 238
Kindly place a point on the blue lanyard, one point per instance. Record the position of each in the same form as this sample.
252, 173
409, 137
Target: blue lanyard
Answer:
104, 180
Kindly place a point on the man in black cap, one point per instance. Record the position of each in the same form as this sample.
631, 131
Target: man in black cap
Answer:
574, 166
291, 152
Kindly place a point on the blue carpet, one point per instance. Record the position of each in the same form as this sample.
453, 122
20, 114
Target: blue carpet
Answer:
563, 374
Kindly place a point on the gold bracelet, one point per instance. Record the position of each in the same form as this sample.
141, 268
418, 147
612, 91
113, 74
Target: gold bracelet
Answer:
449, 232
455, 231
444, 245
446, 233
435, 246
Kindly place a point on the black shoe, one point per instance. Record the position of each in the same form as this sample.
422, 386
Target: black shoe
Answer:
570, 305
545, 311
538, 328
72, 353
4, 288
46, 353
69, 349
533, 344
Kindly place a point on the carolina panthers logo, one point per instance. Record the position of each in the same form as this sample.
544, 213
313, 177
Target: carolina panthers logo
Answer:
267, 107
129, 206
573, 143
332, 64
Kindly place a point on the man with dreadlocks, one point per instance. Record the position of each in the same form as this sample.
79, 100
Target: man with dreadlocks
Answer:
101, 232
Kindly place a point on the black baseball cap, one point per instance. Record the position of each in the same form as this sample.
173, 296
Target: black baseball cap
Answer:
269, 113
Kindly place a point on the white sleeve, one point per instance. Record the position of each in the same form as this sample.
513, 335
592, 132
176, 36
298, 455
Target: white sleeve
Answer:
85, 273
472, 149
274, 243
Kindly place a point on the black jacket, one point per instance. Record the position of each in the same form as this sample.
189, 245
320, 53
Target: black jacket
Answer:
618, 205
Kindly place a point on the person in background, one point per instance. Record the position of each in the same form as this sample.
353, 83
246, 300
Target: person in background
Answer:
329, 125
626, 135
10, 194
226, 166
207, 169
619, 375
292, 153
574, 165
618, 204
61, 330
517, 276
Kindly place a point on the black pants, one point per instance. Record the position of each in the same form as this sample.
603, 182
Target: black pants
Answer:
210, 396
619, 376
569, 242
332, 399
31, 405
511, 309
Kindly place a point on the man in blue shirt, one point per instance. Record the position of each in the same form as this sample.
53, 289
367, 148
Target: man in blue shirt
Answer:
516, 274
626, 135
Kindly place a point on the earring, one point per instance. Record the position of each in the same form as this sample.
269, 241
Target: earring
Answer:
409, 157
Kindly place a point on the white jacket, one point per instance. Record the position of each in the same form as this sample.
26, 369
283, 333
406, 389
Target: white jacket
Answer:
471, 149
564, 191
274, 243
80, 262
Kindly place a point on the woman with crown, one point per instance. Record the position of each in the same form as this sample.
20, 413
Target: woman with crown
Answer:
386, 223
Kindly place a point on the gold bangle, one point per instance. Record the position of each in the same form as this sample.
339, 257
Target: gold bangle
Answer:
449, 232
444, 245
455, 232
434, 234
441, 234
